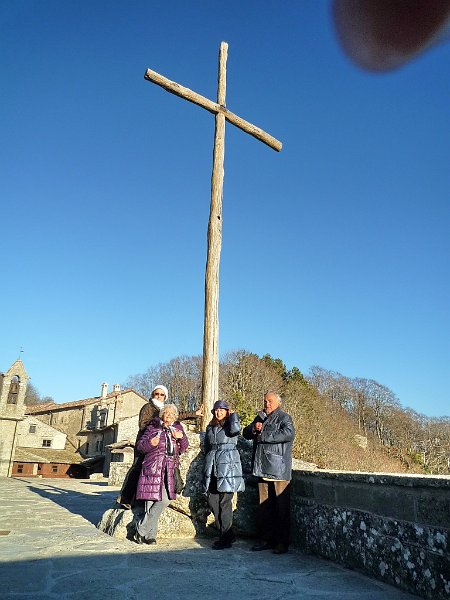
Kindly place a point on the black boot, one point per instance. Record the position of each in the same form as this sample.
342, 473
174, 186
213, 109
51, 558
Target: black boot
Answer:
232, 535
138, 538
225, 540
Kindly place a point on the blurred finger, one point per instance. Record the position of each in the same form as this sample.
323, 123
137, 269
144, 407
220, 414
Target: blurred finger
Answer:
380, 35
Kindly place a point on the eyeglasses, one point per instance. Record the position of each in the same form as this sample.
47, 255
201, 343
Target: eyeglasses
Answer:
159, 394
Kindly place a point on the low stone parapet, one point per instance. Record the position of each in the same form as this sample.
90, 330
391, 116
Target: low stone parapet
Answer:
393, 527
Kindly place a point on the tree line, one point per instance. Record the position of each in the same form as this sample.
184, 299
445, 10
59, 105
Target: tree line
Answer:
342, 423
33, 396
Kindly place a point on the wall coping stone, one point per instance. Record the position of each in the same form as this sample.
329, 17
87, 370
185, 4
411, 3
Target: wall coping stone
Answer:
401, 479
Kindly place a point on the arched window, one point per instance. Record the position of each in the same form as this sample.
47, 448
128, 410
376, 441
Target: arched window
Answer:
13, 390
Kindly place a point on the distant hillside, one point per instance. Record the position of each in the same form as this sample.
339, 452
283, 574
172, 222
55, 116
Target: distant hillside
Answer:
329, 437
334, 415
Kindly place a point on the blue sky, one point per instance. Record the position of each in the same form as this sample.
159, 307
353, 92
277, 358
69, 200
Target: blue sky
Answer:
335, 251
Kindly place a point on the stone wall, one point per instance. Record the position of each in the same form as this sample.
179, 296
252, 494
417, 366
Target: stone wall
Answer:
41, 431
7, 445
392, 527
129, 403
128, 428
13, 385
68, 420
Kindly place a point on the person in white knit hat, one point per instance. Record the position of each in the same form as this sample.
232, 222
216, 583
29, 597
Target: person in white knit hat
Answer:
149, 411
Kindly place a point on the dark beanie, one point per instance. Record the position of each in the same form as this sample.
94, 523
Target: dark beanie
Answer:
220, 404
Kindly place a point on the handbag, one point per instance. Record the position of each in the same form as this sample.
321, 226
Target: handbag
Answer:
178, 481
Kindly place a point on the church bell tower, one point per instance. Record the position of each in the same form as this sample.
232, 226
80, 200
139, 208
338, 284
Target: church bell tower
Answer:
13, 386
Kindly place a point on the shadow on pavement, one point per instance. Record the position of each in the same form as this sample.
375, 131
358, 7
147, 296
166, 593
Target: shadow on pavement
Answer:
90, 506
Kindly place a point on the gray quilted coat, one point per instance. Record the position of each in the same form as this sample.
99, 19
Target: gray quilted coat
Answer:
222, 457
272, 448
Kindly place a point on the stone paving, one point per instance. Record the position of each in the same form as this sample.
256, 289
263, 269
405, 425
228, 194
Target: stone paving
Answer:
51, 549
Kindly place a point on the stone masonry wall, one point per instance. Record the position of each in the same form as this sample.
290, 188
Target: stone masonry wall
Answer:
25, 439
11, 413
7, 446
393, 527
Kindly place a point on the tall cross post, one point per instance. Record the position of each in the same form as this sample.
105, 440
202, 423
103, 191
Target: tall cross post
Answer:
210, 375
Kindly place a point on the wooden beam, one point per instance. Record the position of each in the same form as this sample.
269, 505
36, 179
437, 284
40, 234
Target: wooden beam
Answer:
210, 376
213, 107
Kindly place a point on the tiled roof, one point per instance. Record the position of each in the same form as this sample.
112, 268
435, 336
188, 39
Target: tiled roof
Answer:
46, 455
34, 408
53, 406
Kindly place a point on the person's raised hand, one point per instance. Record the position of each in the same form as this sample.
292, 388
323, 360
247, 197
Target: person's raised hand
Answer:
155, 440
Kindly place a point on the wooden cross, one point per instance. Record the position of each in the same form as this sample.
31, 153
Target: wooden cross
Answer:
210, 375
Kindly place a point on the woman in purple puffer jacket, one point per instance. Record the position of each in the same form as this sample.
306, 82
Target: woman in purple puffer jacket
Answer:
162, 443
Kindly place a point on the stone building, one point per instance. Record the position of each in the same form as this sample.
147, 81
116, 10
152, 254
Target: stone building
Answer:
33, 433
62, 440
13, 385
94, 423
46, 462
43, 451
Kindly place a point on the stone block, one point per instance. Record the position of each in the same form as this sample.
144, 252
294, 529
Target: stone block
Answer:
433, 508
399, 552
120, 523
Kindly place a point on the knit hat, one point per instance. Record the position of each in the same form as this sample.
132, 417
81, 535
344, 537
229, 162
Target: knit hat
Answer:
220, 404
159, 403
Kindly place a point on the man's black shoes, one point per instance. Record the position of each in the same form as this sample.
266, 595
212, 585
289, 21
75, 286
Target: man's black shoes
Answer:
262, 546
140, 539
221, 544
280, 549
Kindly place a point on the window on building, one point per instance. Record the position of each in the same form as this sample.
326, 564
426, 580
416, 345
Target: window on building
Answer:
87, 447
32, 429
13, 390
46, 443
54, 468
98, 446
39, 467
102, 418
20, 468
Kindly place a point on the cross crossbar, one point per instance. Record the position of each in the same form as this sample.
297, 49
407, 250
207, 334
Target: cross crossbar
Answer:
213, 107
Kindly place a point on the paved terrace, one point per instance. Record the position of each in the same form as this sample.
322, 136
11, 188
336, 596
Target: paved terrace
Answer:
50, 548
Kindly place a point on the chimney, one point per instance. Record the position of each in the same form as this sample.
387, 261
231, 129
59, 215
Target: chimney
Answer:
104, 390
116, 388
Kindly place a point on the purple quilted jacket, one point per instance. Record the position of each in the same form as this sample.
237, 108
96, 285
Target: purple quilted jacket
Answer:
156, 461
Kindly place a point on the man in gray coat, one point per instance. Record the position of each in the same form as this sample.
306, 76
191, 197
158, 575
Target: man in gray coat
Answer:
272, 432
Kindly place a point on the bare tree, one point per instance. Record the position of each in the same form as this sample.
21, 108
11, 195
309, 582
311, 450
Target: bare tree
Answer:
32, 396
144, 382
334, 385
328, 408
245, 378
181, 376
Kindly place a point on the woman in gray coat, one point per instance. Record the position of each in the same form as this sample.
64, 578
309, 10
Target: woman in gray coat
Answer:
222, 475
